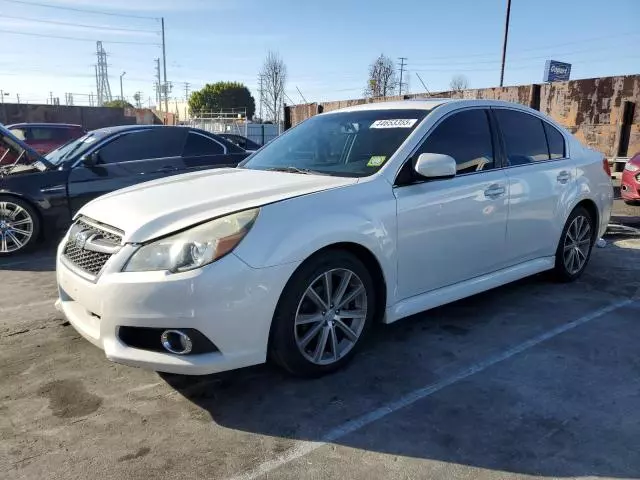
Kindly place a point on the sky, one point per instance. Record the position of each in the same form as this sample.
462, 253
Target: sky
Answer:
326, 45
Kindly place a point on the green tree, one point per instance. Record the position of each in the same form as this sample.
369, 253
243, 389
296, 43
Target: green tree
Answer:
117, 104
222, 95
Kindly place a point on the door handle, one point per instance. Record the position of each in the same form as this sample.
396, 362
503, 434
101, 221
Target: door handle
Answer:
494, 191
563, 177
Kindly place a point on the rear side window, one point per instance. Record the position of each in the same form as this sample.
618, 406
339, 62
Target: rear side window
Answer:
466, 137
142, 145
198, 145
524, 137
555, 141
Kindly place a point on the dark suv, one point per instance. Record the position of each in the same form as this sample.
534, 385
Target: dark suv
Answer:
44, 137
40, 194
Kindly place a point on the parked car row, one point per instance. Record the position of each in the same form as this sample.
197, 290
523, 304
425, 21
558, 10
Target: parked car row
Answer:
40, 194
370, 213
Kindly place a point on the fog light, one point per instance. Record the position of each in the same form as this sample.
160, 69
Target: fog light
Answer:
177, 342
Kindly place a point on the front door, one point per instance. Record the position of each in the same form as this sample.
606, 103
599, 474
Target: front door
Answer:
452, 230
541, 179
128, 159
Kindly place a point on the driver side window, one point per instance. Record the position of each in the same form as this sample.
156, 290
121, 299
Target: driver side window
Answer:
466, 137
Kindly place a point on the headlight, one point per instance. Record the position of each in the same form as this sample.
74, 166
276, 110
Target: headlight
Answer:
632, 167
195, 247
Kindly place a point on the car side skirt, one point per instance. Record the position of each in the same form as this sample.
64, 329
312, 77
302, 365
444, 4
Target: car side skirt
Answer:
457, 291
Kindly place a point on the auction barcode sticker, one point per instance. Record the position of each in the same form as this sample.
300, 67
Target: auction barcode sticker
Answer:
394, 123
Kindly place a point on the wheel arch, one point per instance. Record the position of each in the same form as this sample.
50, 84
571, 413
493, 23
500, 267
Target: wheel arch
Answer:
370, 261
590, 206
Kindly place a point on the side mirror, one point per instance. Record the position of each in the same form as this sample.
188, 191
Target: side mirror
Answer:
91, 159
435, 165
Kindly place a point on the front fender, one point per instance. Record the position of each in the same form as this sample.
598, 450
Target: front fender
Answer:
292, 230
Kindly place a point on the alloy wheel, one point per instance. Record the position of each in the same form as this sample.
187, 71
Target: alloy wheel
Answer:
330, 316
16, 227
577, 243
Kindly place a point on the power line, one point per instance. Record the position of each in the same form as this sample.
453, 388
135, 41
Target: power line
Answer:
97, 27
77, 9
76, 38
304, 99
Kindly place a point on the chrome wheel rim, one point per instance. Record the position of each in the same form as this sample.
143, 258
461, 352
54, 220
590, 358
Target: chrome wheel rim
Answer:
577, 243
16, 227
331, 316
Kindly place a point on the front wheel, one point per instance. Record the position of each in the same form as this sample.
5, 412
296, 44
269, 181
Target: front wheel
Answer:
323, 314
19, 226
575, 245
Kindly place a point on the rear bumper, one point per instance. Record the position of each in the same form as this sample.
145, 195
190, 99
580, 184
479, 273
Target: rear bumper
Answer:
229, 302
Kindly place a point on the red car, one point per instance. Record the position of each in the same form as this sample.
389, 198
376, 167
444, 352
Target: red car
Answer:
630, 184
44, 137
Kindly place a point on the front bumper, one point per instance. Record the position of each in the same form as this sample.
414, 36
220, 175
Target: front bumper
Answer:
630, 185
229, 302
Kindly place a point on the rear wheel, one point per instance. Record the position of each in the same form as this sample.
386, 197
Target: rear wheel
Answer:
575, 245
323, 314
19, 226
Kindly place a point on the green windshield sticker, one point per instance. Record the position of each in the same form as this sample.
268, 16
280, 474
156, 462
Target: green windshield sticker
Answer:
376, 161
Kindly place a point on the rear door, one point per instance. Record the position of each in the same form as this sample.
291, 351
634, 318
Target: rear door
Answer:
541, 177
202, 151
125, 160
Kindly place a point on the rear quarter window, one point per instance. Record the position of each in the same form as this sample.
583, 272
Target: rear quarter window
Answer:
555, 140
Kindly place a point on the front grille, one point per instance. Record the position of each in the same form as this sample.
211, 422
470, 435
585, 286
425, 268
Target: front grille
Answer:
89, 261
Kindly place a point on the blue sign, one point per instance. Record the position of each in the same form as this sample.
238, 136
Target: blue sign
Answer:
555, 71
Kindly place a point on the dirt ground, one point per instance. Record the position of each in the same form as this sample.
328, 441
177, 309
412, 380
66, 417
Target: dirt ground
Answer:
532, 379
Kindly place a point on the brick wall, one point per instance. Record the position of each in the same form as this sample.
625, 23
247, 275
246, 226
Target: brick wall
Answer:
590, 108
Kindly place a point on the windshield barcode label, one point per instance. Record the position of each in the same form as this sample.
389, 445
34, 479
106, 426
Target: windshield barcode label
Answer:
394, 123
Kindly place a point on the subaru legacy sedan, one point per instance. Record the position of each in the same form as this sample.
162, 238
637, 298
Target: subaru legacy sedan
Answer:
362, 215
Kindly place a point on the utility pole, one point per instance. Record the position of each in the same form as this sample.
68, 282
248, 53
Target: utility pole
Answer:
402, 65
122, 94
305, 100
186, 91
158, 85
51, 96
164, 63
425, 87
18, 98
504, 45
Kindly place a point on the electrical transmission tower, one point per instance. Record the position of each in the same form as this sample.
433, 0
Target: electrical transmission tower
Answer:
402, 65
103, 88
158, 86
187, 85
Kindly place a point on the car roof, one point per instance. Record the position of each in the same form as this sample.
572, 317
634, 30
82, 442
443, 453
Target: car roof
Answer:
44, 124
426, 104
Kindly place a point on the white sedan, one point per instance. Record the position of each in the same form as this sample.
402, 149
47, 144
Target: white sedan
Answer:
366, 214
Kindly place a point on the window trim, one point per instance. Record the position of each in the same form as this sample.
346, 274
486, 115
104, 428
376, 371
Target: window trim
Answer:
497, 152
105, 141
195, 132
540, 119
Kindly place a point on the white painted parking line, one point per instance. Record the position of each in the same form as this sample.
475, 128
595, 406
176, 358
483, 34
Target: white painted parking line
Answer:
50, 301
305, 447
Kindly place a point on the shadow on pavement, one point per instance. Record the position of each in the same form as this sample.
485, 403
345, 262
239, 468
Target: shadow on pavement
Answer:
559, 411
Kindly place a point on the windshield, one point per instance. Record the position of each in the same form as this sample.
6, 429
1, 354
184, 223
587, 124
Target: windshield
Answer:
353, 144
73, 148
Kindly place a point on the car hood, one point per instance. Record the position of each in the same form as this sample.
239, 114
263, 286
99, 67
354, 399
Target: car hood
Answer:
161, 207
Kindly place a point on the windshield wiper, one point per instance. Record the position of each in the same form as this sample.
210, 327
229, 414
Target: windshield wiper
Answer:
292, 169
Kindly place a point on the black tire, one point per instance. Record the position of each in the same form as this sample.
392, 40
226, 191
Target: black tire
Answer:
561, 271
283, 346
35, 228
